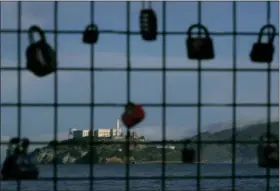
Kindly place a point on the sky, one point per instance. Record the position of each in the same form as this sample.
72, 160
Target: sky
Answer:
146, 87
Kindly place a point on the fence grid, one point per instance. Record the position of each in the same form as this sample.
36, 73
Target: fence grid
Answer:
128, 33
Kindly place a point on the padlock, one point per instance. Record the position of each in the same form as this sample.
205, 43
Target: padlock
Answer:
200, 48
133, 115
13, 144
91, 34
41, 58
148, 24
188, 153
24, 145
268, 154
14, 140
263, 51
19, 166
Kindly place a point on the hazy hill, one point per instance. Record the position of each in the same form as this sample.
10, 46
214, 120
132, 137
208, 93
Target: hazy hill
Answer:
244, 153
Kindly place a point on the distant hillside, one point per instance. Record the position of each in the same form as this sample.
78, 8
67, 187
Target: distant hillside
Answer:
240, 123
77, 151
244, 153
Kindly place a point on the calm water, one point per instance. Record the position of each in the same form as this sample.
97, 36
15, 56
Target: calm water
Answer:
147, 170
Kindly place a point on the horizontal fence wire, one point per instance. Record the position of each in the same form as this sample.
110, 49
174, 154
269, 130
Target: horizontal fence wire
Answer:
212, 177
94, 143
137, 33
164, 105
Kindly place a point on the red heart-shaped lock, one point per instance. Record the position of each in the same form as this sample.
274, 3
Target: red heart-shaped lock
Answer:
133, 115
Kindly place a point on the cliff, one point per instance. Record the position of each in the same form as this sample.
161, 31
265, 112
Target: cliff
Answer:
78, 151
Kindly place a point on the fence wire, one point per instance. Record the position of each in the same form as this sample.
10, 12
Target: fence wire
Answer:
162, 33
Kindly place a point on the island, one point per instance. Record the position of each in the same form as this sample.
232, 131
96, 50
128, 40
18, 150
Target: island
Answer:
105, 150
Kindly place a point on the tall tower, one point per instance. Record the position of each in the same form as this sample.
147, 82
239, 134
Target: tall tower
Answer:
118, 124
119, 131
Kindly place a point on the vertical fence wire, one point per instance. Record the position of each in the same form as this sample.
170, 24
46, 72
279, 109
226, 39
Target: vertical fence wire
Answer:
163, 94
56, 3
128, 70
19, 89
234, 56
199, 105
0, 89
92, 87
268, 114
128, 93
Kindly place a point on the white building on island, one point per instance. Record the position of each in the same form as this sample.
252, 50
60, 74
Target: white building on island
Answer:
101, 133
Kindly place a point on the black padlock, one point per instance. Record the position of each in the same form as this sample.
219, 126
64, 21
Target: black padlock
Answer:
148, 24
13, 144
91, 34
263, 51
15, 140
24, 144
41, 58
199, 48
19, 165
188, 153
268, 154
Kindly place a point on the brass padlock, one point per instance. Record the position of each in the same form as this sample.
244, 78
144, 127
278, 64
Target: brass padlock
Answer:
41, 58
91, 34
188, 153
263, 51
148, 24
200, 48
19, 165
268, 154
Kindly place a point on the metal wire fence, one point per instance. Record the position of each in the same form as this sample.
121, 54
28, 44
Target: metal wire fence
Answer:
162, 33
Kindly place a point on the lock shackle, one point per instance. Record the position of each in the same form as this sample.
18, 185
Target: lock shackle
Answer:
91, 27
271, 36
199, 26
37, 29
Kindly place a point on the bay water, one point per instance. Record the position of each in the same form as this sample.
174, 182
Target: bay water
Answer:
247, 183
